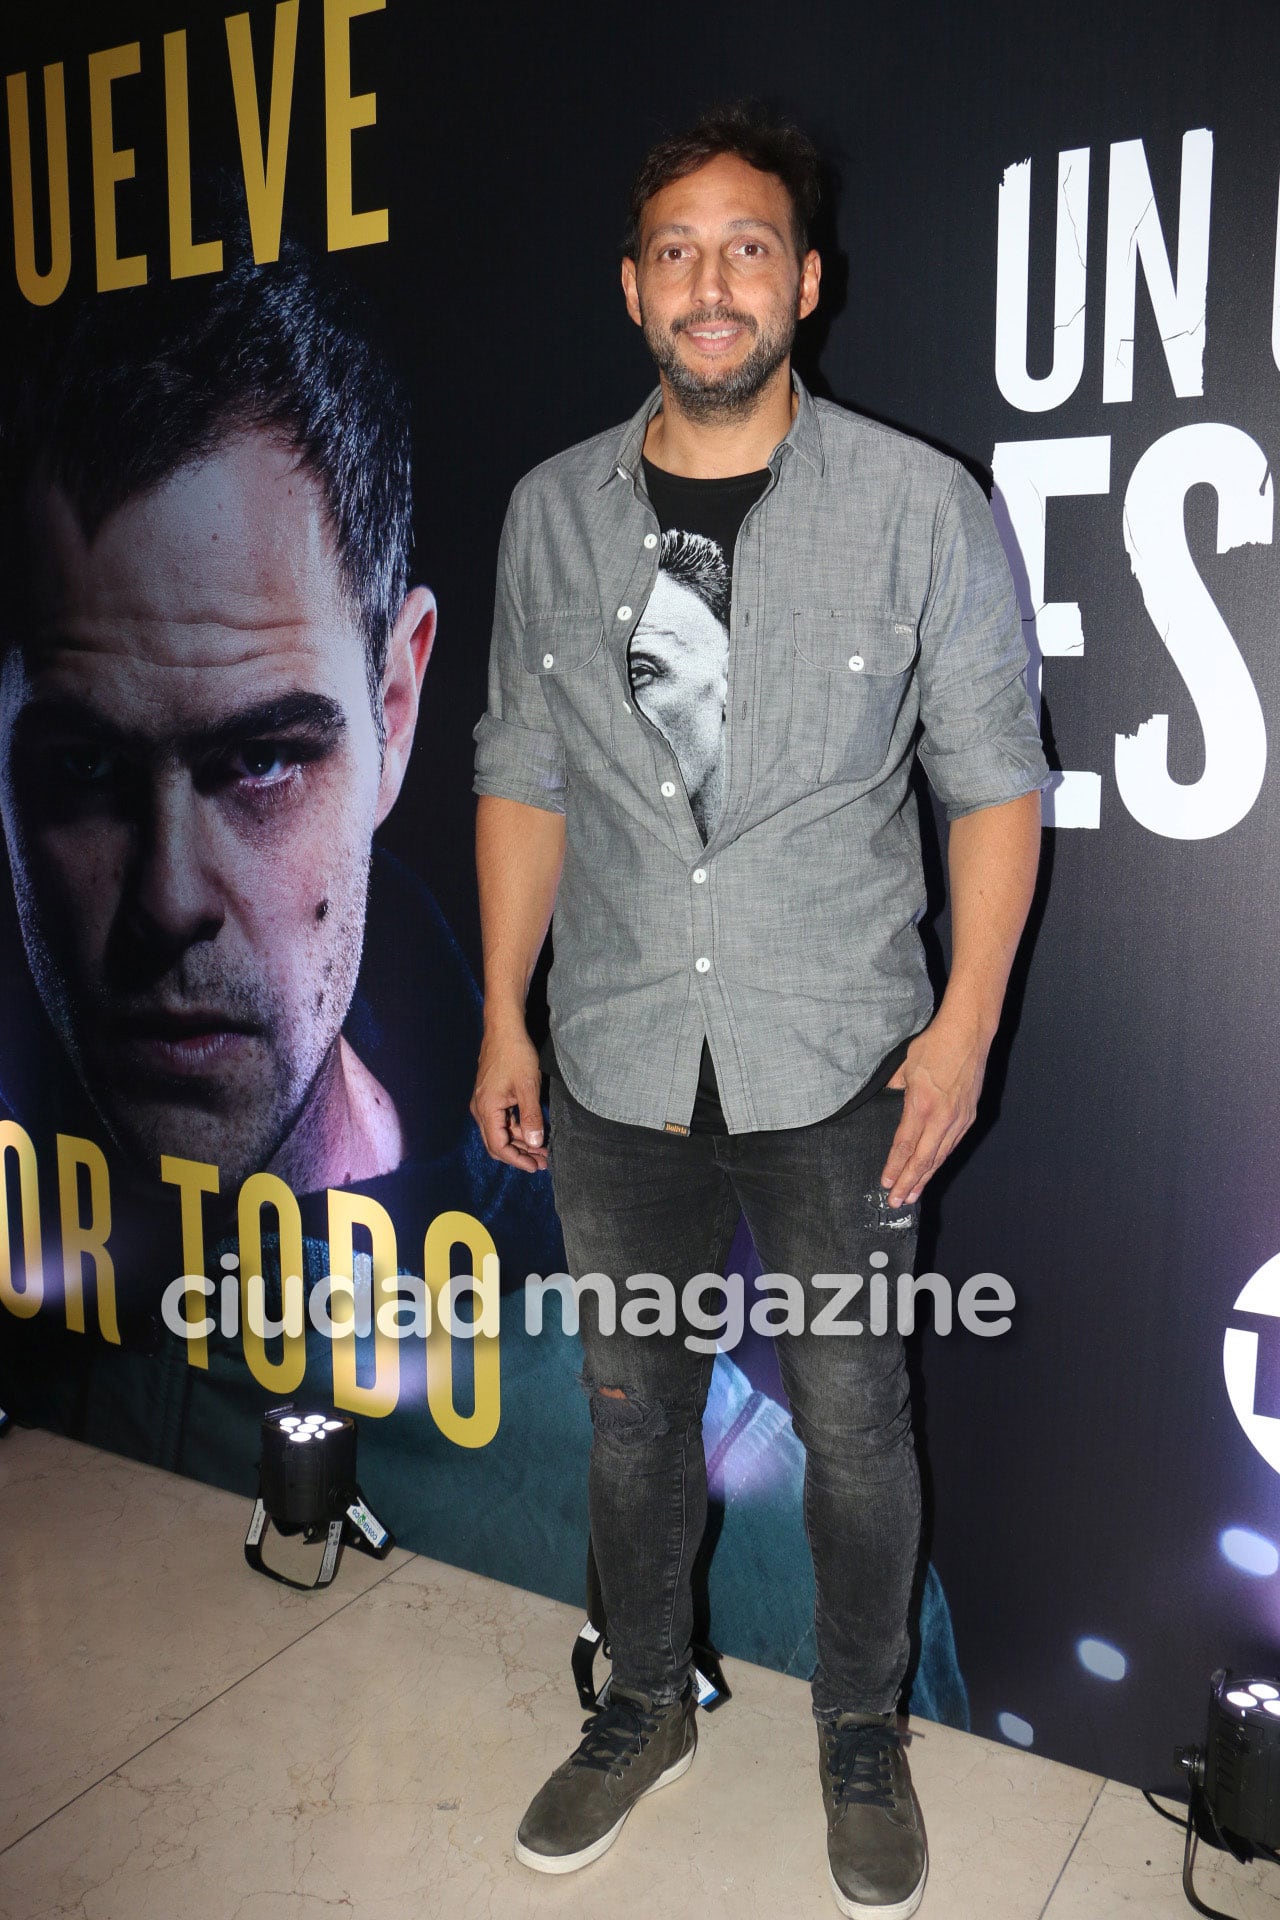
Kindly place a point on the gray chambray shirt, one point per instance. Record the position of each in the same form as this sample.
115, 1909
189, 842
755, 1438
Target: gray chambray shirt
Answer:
873, 616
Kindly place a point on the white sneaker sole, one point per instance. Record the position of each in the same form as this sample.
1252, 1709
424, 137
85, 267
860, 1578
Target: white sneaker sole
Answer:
570, 1862
859, 1909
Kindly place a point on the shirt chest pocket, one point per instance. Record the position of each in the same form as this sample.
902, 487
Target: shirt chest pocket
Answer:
849, 677
566, 651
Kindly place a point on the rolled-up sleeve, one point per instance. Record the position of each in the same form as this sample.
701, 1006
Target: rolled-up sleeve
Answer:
980, 744
519, 754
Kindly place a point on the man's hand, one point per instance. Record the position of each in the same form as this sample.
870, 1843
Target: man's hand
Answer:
992, 855
519, 854
506, 1105
942, 1075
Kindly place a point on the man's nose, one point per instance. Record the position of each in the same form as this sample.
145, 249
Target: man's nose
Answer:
175, 898
710, 288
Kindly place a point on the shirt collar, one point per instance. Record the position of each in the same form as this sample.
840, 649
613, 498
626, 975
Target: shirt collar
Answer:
804, 436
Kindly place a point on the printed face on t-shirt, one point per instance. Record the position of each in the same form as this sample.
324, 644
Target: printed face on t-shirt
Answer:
678, 664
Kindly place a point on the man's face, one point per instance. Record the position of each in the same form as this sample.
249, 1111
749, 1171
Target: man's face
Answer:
717, 287
678, 660
190, 778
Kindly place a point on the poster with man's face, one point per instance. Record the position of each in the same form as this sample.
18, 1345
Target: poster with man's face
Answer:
235, 732
213, 662
239, 1032
292, 297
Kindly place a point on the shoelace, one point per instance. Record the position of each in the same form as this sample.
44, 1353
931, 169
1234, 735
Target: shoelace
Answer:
860, 1761
614, 1732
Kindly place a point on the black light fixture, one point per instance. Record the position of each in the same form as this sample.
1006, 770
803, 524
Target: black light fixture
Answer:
1234, 1779
307, 1484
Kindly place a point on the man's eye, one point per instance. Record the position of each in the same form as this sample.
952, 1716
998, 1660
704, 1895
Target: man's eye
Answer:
645, 669
86, 764
752, 247
264, 763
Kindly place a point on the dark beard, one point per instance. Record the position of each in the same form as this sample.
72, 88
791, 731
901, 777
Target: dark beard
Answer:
712, 398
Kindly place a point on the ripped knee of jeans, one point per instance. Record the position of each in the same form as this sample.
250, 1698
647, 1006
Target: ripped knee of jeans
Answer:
616, 1414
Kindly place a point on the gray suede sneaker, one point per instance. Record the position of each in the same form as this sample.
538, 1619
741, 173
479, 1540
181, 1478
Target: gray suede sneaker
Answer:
875, 1836
630, 1749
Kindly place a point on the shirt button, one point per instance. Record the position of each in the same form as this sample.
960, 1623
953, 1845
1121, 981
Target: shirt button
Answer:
667, 788
699, 874
651, 539
548, 659
702, 963
856, 662
624, 613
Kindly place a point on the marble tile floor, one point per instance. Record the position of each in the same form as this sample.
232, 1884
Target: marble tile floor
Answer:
183, 1740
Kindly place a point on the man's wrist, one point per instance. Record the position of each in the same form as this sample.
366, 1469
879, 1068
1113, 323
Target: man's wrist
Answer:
972, 1010
505, 1016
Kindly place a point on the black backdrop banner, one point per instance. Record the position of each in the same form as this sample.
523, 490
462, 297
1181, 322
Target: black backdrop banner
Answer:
1050, 248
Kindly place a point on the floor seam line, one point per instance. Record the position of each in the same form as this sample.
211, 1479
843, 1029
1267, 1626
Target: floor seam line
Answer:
1071, 1851
195, 1712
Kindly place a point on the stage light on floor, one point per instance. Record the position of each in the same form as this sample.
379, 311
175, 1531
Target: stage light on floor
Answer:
1234, 1779
307, 1484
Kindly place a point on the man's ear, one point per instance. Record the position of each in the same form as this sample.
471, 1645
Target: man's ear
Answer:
629, 293
810, 280
408, 650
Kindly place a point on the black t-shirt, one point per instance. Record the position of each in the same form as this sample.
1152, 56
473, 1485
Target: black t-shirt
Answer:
678, 658
678, 667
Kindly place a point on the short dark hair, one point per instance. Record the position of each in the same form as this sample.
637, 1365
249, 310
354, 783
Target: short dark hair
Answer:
130, 387
694, 561
755, 134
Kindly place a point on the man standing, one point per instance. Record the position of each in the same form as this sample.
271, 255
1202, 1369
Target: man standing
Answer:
701, 759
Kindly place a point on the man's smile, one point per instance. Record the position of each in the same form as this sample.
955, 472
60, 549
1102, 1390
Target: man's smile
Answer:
714, 336
713, 341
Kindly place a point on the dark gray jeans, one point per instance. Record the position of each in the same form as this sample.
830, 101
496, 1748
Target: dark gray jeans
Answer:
634, 1200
